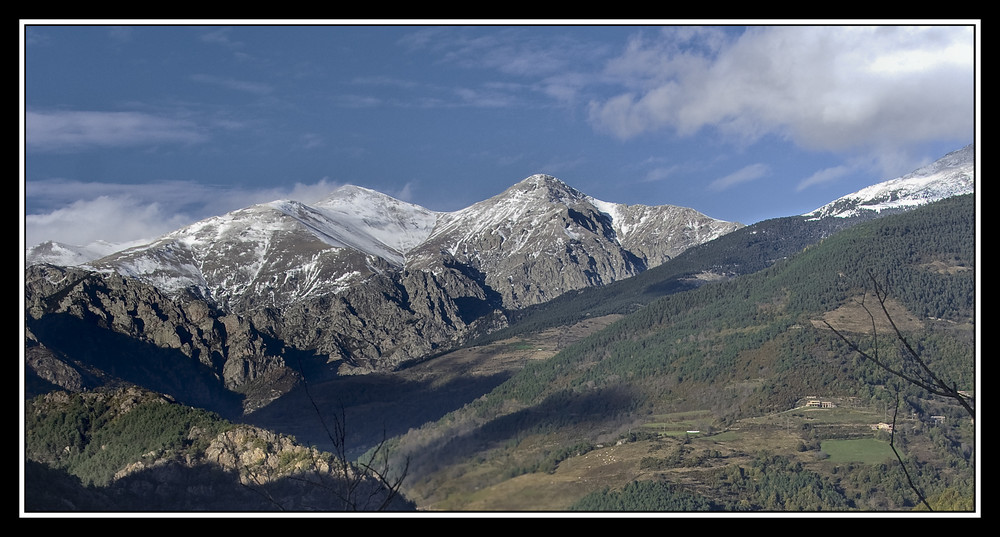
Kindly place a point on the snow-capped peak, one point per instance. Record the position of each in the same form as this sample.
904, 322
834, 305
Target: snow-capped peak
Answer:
951, 175
394, 223
285, 250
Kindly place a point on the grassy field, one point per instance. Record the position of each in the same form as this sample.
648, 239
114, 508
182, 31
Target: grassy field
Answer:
681, 423
862, 450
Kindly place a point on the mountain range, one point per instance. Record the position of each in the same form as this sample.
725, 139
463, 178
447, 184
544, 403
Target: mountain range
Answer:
362, 282
335, 243
236, 312
366, 282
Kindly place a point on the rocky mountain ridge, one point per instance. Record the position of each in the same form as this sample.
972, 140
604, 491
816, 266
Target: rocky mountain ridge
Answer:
283, 252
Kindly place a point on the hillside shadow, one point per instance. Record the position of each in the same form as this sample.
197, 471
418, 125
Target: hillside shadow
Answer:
374, 407
167, 371
562, 409
669, 287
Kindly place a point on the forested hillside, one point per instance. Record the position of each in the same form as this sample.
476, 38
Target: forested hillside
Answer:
742, 349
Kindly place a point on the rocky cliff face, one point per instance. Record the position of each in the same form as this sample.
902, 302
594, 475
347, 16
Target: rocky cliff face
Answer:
82, 324
104, 327
541, 238
532, 243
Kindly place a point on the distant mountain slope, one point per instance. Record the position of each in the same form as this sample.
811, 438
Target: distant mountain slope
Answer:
744, 251
541, 238
755, 247
951, 175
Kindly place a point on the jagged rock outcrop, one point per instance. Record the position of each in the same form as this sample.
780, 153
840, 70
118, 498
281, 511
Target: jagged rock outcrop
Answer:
391, 320
121, 328
80, 321
532, 243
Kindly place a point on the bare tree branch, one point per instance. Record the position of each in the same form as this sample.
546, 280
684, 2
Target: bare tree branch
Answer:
354, 478
925, 377
892, 444
931, 382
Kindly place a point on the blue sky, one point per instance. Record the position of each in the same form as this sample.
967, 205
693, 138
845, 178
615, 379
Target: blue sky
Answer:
131, 131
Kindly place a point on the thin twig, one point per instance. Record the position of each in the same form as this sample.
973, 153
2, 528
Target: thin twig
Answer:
892, 444
354, 476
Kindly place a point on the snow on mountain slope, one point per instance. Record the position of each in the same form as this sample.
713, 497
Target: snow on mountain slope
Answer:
338, 233
658, 233
541, 237
530, 243
513, 217
523, 210
275, 252
398, 225
951, 175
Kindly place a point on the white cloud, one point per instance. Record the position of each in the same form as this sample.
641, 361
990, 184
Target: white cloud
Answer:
72, 130
306, 193
405, 193
832, 88
80, 213
823, 176
661, 173
245, 86
311, 140
113, 219
121, 34
553, 63
886, 162
743, 175
221, 36
512, 50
